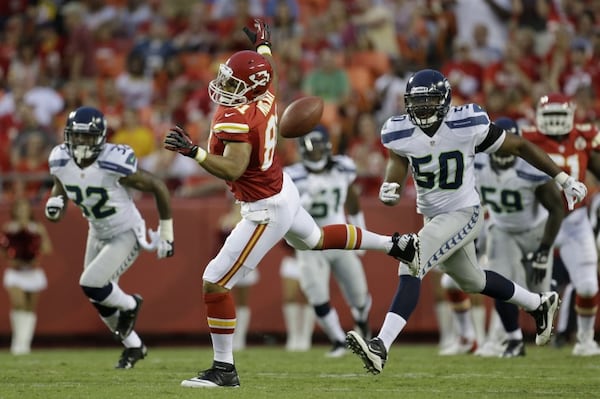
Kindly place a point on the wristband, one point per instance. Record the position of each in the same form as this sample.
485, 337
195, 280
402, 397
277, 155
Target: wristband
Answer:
50, 216
561, 178
165, 228
201, 155
263, 49
357, 220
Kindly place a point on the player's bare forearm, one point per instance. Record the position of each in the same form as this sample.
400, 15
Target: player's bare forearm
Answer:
232, 164
58, 189
396, 169
530, 152
147, 182
352, 205
538, 158
551, 198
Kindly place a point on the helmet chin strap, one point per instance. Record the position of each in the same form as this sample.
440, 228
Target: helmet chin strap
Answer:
428, 122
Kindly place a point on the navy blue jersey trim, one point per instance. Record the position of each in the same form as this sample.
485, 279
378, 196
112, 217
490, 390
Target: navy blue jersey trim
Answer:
115, 167
58, 162
342, 167
468, 122
396, 135
532, 177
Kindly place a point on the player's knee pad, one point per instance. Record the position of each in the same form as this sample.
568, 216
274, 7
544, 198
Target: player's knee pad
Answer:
97, 294
104, 311
322, 309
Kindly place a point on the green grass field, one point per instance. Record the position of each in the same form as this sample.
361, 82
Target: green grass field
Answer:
412, 371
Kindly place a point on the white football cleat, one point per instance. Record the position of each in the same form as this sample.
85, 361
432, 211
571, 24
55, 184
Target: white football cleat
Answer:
586, 346
462, 346
490, 349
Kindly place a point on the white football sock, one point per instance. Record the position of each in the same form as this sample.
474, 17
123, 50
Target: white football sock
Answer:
478, 316
242, 315
118, 299
393, 324
291, 317
307, 327
330, 324
445, 319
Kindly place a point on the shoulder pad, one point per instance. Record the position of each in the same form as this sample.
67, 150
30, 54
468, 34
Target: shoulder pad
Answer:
397, 122
528, 129
297, 171
345, 163
59, 157
231, 120
397, 127
467, 116
584, 127
465, 110
118, 158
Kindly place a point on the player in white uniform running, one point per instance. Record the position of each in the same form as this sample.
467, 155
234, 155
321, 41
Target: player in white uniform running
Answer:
325, 183
439, 142
95, 175
525, 214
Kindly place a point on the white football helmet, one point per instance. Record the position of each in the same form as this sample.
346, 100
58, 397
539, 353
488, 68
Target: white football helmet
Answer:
555, 114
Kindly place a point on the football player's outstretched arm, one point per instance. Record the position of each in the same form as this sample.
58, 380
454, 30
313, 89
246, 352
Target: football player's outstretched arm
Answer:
574, 190
260, 37
530, 152
229, 166
146, 182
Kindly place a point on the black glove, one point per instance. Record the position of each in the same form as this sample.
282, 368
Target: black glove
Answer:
261, 35
179, 140
537, 260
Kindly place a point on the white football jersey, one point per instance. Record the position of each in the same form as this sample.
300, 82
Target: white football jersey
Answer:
509, 194
327, 190
96, 190
443, 165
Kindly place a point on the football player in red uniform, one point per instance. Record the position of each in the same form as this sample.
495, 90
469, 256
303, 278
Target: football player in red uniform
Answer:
575, 148
241, 151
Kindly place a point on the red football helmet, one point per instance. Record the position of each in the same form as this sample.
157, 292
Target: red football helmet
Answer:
244, 78
555, 114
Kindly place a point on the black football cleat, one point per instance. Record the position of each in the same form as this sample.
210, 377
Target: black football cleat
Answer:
127, 319
220, 375
130, 357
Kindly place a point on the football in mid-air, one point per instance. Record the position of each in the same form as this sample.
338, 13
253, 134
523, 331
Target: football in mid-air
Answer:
301, 116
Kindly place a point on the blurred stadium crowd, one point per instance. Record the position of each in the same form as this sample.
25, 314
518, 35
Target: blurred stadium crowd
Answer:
147, 63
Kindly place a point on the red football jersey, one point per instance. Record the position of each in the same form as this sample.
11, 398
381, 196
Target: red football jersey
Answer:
572, 153
254, 123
